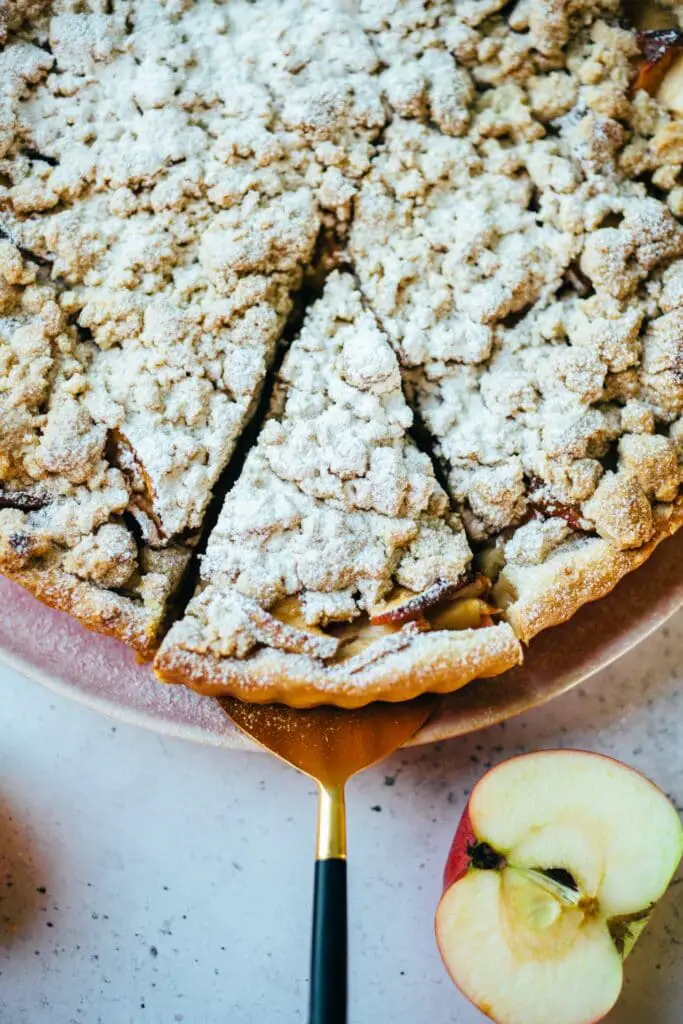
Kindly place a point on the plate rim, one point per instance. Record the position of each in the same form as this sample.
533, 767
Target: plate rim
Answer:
125, 714
429, 733
613, 653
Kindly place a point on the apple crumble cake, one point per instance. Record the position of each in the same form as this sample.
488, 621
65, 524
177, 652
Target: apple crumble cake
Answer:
436, 247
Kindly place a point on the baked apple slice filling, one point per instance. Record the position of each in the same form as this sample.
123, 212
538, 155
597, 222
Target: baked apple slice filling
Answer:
443, 606
404, 605
453, 614
285, 628
659, 49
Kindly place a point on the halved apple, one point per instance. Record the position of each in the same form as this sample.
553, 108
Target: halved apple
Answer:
554, 870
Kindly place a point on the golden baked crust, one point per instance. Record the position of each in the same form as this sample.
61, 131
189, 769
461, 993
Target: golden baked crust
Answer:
437, 662
579, 571
136, 622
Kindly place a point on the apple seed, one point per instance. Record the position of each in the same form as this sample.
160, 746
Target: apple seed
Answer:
484, 857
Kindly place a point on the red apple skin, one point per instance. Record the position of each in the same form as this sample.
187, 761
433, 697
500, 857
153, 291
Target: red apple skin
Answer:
458, 861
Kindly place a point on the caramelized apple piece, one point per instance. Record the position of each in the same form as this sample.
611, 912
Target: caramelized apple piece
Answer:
123, 455
658, 48
285, 628
364, 636
22, 501
401, 606
479, 586
405, 605
550, 507
670, 92
466, 613
290, 611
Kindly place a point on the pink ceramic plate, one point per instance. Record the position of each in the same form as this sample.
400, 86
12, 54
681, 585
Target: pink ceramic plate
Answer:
50, 647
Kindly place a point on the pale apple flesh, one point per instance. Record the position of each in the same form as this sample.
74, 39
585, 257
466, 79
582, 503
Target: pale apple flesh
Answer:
552, 875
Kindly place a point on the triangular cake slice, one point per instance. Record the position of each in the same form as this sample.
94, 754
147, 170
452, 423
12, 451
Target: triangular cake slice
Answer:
337, 571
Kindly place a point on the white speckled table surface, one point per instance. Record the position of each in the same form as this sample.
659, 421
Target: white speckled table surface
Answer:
148, 880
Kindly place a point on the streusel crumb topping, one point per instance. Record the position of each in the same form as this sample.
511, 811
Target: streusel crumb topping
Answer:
502, 186
62, 502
